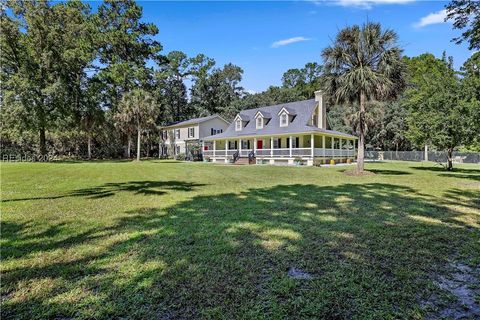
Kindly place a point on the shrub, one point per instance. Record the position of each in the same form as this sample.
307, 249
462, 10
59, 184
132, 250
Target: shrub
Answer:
317, 162
332, 162
180, 157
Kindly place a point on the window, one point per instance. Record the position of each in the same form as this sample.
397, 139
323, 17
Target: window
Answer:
177, 133
191, 132
295, 142
215, 131
283, 120
178, 150
277, 143
259, 123
238, 125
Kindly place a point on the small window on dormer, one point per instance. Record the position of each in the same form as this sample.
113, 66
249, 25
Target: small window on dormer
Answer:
259, 123
238, 125
283, 120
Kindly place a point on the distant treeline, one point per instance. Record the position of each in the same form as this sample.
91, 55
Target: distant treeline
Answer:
82, 84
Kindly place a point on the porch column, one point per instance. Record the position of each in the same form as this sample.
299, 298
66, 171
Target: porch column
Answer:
226, 148
254, 145
271, 146
239, 147
354, 143
290, 145
323, 145
312, 141
341, 147
333, 147
203, 146
214, 147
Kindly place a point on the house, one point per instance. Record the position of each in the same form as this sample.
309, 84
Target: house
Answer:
281, 134
185, 136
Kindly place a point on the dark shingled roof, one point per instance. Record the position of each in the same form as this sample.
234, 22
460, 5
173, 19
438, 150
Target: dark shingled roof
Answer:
301, 109
193, 121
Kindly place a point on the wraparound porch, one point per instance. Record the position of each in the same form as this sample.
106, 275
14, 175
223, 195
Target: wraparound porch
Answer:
282, 148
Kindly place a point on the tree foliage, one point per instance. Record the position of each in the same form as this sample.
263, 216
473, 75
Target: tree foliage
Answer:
466, 16
439, 111
137, 110
363, 64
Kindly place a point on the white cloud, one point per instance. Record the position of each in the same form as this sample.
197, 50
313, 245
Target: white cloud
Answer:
432, 18
365, 4
288, 41
251, 91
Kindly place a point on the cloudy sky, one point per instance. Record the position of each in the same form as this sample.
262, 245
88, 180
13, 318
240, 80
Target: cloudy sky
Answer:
267, 38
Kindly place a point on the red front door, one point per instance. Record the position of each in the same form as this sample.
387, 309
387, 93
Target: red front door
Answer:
259, 144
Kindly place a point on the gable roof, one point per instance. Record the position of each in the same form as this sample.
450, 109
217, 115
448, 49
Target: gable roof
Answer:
288, 110
264, 114
242, 117
194, 121
302, 109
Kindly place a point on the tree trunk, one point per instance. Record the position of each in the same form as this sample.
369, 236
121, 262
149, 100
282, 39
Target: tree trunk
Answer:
160, 146
129, 145
361, 138
89, 146
450, 159
43, 143
138, 143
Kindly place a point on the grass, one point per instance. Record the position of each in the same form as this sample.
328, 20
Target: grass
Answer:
167, 240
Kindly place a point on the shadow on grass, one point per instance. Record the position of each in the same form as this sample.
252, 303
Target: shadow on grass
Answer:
390, 172
461, 173
370, 250
109, 189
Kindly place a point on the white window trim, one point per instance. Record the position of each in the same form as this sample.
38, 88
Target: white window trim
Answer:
237, 126
286, 118
261, 123
177, 133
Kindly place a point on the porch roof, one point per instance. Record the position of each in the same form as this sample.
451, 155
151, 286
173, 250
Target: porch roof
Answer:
307, 130
303, 111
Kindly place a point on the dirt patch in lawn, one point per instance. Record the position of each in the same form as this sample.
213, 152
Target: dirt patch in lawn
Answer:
469, 184
460, 294
358, 174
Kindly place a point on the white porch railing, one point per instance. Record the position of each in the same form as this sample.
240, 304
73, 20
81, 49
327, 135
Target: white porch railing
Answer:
284, 152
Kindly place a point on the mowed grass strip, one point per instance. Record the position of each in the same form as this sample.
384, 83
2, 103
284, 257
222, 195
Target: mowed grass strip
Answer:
171, 240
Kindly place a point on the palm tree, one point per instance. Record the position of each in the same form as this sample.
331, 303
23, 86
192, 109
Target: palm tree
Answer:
137, 108
363, 64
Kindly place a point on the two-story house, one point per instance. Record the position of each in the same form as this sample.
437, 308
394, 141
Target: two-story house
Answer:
182, 137
281, 134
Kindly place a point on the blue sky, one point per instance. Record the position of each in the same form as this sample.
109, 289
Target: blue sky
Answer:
267, 38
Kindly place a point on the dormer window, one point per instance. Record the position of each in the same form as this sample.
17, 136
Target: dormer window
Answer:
286, 115
259, 123
238, 125
261, 119
283, 120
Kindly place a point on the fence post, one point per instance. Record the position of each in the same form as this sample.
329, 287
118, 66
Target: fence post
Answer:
426, 153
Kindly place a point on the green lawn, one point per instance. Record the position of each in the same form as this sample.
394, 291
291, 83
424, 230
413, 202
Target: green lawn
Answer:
167, 240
